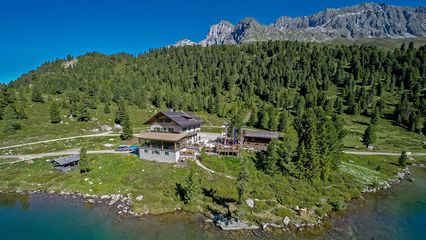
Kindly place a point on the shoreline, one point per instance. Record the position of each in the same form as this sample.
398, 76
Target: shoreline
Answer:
122, 206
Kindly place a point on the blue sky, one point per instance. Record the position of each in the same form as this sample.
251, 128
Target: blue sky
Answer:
35, 31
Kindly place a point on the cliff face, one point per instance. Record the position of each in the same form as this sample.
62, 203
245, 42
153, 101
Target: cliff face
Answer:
367, 20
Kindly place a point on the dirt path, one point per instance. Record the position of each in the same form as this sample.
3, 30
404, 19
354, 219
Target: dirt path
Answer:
210, 170
105, 134
26, 157
382, 153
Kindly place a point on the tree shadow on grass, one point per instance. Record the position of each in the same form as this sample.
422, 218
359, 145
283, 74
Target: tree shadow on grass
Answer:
180, 191
219, 200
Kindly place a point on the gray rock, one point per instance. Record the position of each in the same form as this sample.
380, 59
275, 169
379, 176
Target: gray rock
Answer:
250, 202
114, 200
286, 221
139, 198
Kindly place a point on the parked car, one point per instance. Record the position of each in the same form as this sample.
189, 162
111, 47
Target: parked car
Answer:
123, 148
134, 148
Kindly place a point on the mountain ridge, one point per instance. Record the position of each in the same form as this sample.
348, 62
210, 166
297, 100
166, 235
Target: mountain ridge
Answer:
366, 20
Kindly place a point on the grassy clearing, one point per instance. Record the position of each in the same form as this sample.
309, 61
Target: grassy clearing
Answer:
38, 127
390, 138
275, 196
228, 165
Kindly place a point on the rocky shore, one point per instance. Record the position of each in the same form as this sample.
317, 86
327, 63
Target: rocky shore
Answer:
123, 204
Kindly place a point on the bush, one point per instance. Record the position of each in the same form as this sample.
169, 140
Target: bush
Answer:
338, 204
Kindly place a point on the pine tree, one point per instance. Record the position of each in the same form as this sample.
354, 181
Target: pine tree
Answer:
55, 115
192, 187
326, 138
413, 121
36, 95
274, 120
307, 154
254, 117
21, 112
284, 126
339, 106
300, 106
84, 161
10, 118
270, 159
121, 111
369, 136
83, 113
237, 123
375, 117
402, 161
264, 122
242, 181
127, 132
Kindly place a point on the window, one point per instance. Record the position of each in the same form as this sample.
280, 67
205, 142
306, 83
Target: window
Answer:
153, 152
171, 130
145, 151
157, 152
166, 153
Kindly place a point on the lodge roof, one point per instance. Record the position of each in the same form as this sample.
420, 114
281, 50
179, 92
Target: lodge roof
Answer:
167, 137
67, 160
260, 134
183, 119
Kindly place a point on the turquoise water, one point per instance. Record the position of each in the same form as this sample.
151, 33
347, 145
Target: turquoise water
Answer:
398, 213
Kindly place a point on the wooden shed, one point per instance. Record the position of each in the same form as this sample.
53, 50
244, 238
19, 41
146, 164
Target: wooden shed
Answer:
66, 164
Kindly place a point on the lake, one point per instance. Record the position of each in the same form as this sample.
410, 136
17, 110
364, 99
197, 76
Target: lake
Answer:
397, 213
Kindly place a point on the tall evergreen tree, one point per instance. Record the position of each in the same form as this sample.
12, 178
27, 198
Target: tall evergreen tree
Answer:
307, 154
127, 132
192, 187
264, 122
36, 95
55, 115
84, 160
369, 136
402, 161
242, 181
10, 118
121, 111
284, 126
83, 113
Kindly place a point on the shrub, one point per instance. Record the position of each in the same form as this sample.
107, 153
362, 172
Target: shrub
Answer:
338, 204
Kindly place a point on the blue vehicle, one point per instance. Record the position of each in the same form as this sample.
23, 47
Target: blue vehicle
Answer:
134, 148
123, 148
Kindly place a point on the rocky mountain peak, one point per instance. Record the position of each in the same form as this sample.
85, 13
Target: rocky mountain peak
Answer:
185, 42
367, 20
219, 34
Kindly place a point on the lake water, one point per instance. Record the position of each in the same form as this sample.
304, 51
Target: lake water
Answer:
398, 213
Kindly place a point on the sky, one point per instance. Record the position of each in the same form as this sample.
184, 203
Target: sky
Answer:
36, 31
